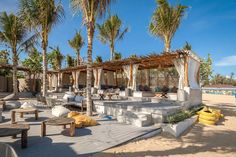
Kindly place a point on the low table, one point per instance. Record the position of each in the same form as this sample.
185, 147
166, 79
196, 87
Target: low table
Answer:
58, 122
22, 111
13, 130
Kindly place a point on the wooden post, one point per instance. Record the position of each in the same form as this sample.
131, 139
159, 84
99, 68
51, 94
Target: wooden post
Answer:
24, 136
96, 81
116, 79
43, 129
36, 115
186, 81
131, 75
13, 117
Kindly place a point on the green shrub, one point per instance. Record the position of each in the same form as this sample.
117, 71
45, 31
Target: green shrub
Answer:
182, 115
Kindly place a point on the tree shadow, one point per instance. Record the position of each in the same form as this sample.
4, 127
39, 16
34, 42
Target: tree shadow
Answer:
40, 147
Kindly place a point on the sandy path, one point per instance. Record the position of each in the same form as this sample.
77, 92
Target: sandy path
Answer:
209, 141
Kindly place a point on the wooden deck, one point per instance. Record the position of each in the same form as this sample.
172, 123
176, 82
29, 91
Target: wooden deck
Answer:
87, 141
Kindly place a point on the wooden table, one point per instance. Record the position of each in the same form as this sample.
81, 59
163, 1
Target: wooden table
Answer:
58, 122
22, 111
13, 130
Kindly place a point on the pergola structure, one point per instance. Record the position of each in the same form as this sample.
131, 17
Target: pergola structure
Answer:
186, 63
9, 66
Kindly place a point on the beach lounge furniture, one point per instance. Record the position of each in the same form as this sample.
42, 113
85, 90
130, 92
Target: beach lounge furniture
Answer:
13, 130
22, 111
58, 121
7, 151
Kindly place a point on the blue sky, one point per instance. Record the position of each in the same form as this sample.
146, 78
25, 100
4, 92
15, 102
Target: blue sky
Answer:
209, 26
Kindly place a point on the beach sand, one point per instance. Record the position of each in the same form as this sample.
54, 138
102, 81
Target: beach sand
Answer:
200, 140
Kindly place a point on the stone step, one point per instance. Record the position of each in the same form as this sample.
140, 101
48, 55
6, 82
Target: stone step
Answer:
136, 119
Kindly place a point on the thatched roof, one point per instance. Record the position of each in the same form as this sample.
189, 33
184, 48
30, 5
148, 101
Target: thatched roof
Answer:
9, 66
150, 61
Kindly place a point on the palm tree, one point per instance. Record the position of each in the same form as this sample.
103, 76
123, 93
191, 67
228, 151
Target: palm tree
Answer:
98, 59
77, 43
55, 58
34, 63
41, 15
91, 10
110, 32
14, 35
70, 61
187, 46
117, 56
165, 21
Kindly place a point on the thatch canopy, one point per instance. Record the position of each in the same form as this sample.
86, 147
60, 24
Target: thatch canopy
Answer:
9, 66
150, 61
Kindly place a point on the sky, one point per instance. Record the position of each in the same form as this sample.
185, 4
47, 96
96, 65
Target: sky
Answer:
209, 26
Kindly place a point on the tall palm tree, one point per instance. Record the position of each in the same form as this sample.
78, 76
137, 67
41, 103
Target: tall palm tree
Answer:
41, 15
77, 43
165, 21
91, 10
14, 35
110, 32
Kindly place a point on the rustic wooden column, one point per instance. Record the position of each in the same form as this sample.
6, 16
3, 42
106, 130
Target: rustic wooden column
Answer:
186, 81
131, 75
96, 79
116, 79
147, 77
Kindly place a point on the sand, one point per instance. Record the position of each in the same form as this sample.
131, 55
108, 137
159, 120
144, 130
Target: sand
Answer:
200, 140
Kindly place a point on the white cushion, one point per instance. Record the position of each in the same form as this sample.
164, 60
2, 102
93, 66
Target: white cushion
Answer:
66, 96
12, 104
60, 111
26, 105
79, 98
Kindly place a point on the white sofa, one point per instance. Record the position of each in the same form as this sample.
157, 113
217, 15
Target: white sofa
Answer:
141, 94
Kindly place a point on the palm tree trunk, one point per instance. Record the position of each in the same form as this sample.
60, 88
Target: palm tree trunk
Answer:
44, 46
167, 45
90, 31
14, 72
112, 51
34, 83
78, 57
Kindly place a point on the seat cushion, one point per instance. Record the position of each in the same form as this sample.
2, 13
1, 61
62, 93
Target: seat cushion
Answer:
68, 96
79, 98
26, 105
59, 111
82, 120
12, 104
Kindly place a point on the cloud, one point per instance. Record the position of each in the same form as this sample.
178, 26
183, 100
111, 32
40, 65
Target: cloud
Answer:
227, 61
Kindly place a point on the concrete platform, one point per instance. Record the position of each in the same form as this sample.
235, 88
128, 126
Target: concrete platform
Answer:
158, 109
87, 141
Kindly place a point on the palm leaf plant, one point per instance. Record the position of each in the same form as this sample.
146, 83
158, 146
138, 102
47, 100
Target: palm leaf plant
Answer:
77, 43
34, 63
91, 11
41, 15
98, 59
70, 61
110, 32
117, 56
165, 21
55, 58
15, 37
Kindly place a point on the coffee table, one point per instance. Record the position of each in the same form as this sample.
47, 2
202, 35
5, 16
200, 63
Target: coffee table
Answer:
58, 121
13, 130
22, 111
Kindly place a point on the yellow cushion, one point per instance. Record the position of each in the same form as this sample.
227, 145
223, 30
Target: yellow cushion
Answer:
82, 120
